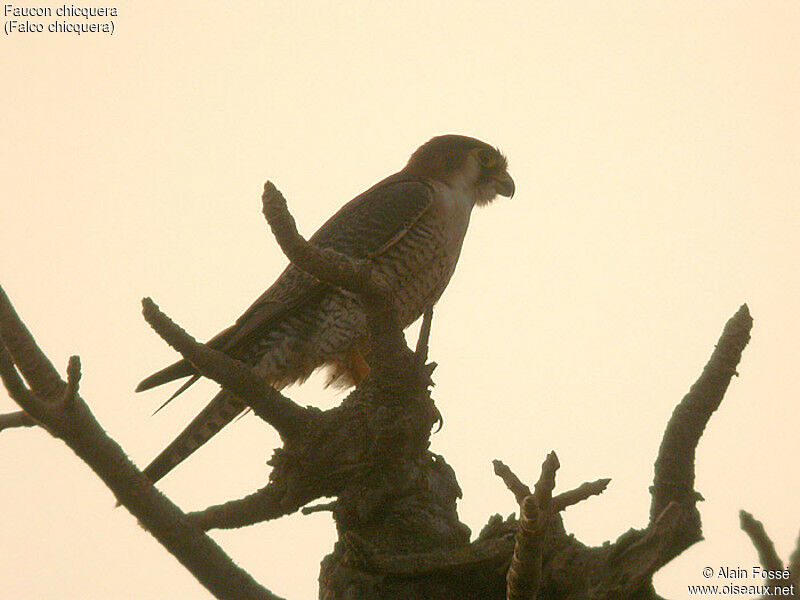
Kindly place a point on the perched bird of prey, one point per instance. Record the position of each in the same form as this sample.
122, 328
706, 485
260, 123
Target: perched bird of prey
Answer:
411, 226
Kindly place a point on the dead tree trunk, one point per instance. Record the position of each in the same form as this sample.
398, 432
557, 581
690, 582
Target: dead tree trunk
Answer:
399, 536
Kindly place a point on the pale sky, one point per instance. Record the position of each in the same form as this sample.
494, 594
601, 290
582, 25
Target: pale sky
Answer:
656, 152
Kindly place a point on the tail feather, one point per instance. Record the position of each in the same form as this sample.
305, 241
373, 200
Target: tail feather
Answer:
222, 409
193, 379
177, 370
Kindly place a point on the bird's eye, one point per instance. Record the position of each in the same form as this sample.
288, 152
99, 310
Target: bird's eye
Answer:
487, 158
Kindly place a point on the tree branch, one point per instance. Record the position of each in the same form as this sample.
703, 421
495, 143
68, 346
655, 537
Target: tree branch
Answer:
322, 507
35, 367
579, 494
58, 407
350, 274
513, 483
674, 466
287, 417
637, 555
327, 265
560, 502
525, 573
767, 555
265, 504
452, 561
16, 419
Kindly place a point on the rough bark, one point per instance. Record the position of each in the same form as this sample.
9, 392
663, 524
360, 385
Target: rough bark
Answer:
785, 578
399, 535
56, 405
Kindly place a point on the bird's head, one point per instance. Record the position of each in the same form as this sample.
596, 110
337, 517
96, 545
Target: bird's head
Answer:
461, 161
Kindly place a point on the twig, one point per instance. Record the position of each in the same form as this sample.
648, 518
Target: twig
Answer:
73, 380
513, 483
323, 507
767, 555
263, 505
16, 419
560, 502
543, 489
579, 494
287, 417
674, 467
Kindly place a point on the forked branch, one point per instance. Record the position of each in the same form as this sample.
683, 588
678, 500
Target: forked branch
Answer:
561, 501
525, 573
57, 406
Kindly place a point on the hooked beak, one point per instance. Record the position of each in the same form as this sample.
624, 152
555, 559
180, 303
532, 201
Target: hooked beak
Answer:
504, 185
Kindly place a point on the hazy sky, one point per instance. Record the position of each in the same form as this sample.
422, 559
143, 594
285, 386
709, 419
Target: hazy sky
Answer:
656, 151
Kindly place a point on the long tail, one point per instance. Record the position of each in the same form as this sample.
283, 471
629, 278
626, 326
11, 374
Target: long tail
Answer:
176, 370
222, 409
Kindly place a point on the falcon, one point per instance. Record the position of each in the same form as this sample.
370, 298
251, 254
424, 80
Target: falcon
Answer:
411, 226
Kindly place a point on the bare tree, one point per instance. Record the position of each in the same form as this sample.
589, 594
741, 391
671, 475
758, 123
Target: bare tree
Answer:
399, 535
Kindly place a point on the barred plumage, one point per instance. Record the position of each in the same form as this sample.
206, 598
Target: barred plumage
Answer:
411, 225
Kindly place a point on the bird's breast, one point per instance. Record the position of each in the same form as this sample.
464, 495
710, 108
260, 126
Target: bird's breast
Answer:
420, 265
